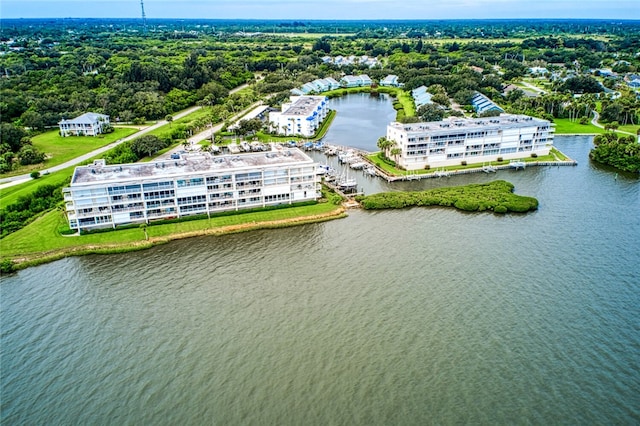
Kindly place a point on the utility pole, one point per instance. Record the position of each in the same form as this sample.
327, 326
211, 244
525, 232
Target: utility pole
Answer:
144, 18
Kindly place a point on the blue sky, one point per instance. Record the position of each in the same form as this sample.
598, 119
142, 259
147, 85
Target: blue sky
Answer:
324, 9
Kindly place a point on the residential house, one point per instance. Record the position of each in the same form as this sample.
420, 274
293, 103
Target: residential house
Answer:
483, 104
88, 124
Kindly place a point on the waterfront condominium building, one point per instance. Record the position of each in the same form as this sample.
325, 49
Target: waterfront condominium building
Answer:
450, 142
302, 116
102, 196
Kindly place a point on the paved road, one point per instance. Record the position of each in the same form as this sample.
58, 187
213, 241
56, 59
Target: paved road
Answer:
16, 180
206, 134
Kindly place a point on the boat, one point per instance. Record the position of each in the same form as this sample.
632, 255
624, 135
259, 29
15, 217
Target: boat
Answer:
488, 168
332, 150
370, 170
347, 183
517, 164
345, 156
357, 165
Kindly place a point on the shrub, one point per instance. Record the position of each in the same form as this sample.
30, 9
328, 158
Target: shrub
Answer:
534, 155
584, 120
463, 163
7, 266
35, 175
500, 159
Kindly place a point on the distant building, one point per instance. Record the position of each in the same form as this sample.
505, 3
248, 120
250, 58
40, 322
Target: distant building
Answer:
538, 71
421, 96
390, 81
88, 124
449, 142
355, 80
483, 104
302, 116
102, 196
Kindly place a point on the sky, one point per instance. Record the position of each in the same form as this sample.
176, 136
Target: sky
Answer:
324, 9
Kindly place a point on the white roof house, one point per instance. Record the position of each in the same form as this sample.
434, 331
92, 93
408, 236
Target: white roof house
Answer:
355, 80
88, 124
390, 80
421, 96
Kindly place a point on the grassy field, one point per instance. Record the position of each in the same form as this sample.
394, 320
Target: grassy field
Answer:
42, 239
568, 127
60, 150
10, 194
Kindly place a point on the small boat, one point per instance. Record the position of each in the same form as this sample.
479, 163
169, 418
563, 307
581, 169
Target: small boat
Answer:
357, 165
488, 168
347, 183
370, 170
332, 150
517, 164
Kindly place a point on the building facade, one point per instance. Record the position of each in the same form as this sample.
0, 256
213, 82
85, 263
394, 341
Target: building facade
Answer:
102, 196
89, 124
302, 116
355, 81
450, 142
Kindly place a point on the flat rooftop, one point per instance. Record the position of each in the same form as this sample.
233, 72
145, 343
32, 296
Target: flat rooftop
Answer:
189, 164
504, 121
304, 105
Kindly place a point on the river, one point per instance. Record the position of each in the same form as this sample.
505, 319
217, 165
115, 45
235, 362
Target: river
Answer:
419, 316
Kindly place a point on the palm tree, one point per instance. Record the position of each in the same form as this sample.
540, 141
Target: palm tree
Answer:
395, 152
384, 144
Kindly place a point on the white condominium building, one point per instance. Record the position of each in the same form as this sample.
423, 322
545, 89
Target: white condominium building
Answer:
102, 196
449, 142
302, 116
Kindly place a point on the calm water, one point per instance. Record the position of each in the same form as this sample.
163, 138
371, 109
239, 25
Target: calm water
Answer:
421, 316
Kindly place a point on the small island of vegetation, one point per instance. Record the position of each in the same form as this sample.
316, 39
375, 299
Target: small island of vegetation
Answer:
621, 152
496, 196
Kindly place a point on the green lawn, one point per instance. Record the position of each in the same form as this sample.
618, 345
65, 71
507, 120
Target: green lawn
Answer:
566, 126
43, 235
10, 194
633, 129
60, 150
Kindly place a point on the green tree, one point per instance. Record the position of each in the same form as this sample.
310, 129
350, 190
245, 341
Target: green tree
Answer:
430, 112
147, 145
28, 154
